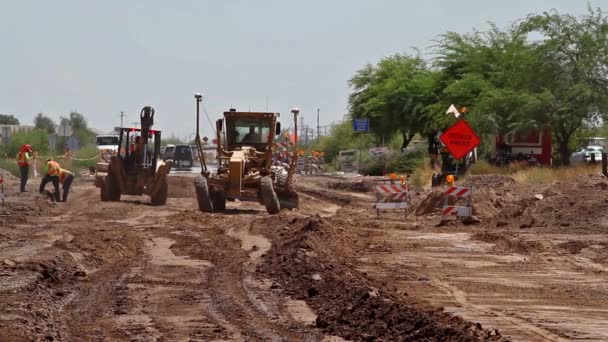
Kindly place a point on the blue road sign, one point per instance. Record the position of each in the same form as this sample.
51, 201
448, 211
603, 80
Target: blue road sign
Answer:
361, 125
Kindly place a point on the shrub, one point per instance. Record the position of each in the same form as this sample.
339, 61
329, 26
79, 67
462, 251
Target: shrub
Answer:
482, 167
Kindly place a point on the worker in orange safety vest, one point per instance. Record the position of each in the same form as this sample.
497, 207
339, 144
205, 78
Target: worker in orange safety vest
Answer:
24, 160
51, 172
65, 178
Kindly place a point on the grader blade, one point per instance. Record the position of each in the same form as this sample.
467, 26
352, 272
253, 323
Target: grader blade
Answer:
288, 198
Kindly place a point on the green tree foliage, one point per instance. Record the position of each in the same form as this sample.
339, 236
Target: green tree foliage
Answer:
545, 70
44, 122
394, 96
574, 52
8, 119
38, 138
342, 137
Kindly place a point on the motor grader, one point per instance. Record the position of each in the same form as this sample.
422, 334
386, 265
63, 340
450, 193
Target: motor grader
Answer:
137, 168
244, 159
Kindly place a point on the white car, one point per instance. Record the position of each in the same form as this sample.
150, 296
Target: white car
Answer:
584, 155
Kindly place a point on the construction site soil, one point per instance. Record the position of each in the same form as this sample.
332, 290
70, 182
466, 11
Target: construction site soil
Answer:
533, 269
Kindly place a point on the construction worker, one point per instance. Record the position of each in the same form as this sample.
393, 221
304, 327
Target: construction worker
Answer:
51, 172
24, 160
65, 178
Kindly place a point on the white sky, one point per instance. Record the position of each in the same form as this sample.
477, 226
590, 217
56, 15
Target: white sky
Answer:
103, 57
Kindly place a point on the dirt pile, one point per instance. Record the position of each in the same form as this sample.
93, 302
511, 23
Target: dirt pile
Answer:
357, 186
571, 204
347, 303
505, 244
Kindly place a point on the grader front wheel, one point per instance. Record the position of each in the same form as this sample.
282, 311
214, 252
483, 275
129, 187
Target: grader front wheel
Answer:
160, 198
269, 197
202, 194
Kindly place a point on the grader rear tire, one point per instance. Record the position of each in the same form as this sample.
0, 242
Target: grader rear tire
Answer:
202, 194
160, 198
218, 199
269, 197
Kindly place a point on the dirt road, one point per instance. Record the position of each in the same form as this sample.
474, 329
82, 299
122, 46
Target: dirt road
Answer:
128, 271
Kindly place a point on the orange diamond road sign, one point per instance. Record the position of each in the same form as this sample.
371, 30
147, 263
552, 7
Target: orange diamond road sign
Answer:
460, 139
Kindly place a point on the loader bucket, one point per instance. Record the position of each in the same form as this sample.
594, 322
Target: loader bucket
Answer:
288, 199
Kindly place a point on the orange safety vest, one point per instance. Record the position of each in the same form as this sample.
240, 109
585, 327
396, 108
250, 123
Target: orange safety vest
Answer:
21, 160
54, 168
63, 173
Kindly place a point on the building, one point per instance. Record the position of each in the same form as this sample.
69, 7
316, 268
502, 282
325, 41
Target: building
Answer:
535, 143
7, 131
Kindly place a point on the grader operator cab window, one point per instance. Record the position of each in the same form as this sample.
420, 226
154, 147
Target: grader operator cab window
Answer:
249, 131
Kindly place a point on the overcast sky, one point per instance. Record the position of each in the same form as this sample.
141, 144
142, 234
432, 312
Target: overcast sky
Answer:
103, 57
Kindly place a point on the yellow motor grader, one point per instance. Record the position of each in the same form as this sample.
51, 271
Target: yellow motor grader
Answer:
137, 168
245, 169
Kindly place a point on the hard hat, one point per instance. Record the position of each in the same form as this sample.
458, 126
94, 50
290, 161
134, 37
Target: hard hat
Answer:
392, 176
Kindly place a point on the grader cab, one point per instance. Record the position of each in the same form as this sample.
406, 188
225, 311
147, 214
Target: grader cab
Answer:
137, 167
244, 153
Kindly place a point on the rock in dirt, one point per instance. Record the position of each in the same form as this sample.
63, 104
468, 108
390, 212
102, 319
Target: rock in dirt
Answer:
528, 222
501, 223
539, 197
9, 263
470, 220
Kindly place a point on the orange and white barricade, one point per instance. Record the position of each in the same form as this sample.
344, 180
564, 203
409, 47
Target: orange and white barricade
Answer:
458, 193
391, 196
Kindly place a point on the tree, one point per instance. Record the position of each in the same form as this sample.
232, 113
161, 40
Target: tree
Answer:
38, 138
44, 122
78, 121
6, 119
394, 95
575, 64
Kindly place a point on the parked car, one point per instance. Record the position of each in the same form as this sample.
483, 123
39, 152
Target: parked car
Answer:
183, 156
585, 155
168, 151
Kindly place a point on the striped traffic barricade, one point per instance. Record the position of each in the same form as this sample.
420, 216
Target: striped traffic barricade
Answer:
391, 195
458, 193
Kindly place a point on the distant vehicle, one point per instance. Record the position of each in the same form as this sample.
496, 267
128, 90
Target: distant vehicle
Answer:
585, 155
168, 152
183, 156
107, 143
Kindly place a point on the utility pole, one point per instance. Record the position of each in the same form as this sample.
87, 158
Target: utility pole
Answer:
122, 115
318, 126
302, 129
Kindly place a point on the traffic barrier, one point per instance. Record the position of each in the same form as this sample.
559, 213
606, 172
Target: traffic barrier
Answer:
457, 192
391, 196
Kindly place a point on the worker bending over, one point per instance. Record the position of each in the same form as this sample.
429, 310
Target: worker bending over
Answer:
51, 172
65, 178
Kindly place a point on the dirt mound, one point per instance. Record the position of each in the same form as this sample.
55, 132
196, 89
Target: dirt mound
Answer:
9, 177
181, 186
347, 303
506, 244
574, 247
571, 204
358, 186
431, 204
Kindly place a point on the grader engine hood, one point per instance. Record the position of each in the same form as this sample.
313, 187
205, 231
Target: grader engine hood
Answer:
236, 168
